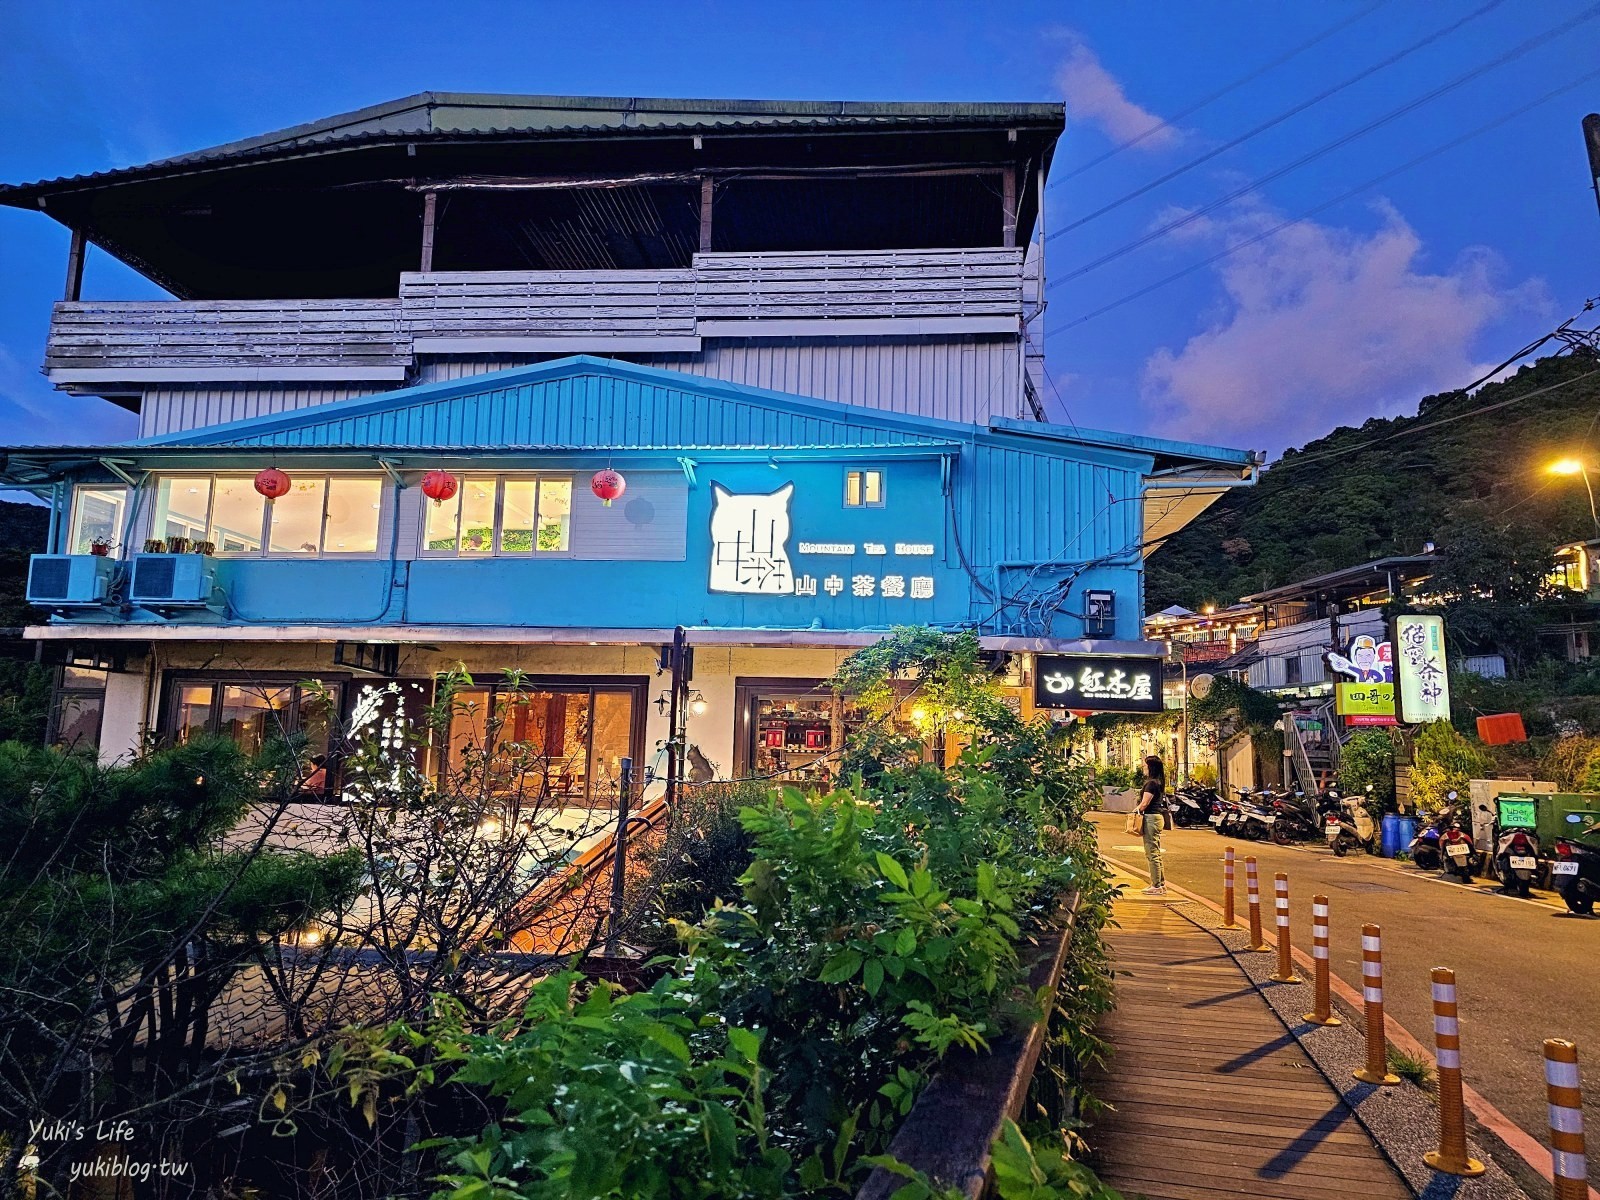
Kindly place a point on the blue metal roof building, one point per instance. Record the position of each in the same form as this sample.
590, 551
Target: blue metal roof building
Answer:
811, 355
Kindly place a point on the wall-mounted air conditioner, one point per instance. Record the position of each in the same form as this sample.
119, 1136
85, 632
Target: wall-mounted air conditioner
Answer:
163, 580
58, 580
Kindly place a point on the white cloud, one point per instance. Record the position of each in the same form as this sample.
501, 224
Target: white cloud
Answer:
1323, 326
1093, 94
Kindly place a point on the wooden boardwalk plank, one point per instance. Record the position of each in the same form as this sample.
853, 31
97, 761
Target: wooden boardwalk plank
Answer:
1211, 1098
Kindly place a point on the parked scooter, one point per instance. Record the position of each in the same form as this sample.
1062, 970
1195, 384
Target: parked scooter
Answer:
1255, 818
1425, 850
1225, 817
1348, 824
1516, 860
1576, 870
1192, 805
1459, 855
1294, 819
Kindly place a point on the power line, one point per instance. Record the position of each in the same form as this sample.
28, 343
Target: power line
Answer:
1300, 460
1500, 60
1238, 83
1327, 204
1281, 117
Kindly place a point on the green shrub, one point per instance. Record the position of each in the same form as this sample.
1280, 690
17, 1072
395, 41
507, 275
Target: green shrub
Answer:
1115, 777
1442, 762
1368, 759
874, 929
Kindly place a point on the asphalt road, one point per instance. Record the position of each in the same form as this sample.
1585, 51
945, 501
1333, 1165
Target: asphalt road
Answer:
1525, 970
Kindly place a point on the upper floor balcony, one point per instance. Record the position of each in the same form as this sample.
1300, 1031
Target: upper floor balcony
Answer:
116, 347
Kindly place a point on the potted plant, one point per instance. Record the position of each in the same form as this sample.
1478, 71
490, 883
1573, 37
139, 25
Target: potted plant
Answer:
203, 548
178, 545
100, 547
155, 546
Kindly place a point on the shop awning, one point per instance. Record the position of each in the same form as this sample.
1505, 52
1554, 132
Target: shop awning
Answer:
500, 635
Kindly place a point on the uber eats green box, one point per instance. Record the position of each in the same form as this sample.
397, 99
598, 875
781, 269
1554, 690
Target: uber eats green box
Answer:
1549, 814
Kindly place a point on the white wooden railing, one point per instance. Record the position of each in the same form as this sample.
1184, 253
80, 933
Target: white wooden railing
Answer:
444, 312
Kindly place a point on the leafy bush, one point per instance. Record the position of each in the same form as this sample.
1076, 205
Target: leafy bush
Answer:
1442, 762
1368, 759
1203, 774
875, 929
1112, 776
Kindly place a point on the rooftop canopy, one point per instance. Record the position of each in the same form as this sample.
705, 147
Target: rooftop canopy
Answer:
1352, 583
334, 208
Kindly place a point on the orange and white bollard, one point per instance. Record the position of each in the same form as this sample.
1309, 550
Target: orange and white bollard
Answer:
1323, 1013
1569, 1166
1451, 1156
1280, 895
1376, 1069
1252, 887
1227, 887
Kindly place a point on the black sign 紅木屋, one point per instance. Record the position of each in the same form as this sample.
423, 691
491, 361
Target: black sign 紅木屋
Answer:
1097, 683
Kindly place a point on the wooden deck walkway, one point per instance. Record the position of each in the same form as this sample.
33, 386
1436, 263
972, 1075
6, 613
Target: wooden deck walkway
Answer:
1213, 1099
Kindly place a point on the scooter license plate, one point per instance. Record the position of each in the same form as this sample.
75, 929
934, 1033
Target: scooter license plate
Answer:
1564, 868
1456, 851
1522, 863
1215, 818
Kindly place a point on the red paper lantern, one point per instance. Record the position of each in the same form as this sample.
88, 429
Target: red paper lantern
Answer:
439, 486
272, 483
608, 485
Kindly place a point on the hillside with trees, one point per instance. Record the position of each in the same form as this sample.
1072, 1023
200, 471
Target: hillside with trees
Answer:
1469, 473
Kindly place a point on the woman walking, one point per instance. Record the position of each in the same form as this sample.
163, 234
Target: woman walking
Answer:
1153, 818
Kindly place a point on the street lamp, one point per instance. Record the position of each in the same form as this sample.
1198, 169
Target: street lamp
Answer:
1574, 466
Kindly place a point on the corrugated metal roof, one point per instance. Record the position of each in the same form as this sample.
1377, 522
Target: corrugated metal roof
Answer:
445, 115
575, 402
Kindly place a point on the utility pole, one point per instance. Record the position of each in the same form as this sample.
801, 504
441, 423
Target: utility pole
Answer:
1591, 139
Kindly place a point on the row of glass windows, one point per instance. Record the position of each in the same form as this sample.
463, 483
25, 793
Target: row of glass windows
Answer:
502, 514
320, 514
331, 514
565, 742
334, 514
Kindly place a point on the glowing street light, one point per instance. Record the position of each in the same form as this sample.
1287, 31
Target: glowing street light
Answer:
1574, 466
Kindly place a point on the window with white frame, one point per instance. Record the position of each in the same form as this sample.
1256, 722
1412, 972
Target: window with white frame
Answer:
863, 489
98, 511
502, 515
321, 514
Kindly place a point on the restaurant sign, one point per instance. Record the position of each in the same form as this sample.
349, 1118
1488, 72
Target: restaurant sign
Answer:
750, 535
1420, 669
1364, 690
1097, 683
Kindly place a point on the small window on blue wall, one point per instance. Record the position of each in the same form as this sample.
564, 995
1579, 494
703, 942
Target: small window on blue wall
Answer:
863, 489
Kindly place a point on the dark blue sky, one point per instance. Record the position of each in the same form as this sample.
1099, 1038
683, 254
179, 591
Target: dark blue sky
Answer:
1401, 290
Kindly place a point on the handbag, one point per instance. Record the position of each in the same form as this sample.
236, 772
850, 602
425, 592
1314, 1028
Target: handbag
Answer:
1166, 818
1135, 822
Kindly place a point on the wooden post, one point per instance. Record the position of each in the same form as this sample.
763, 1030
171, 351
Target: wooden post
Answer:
619, 861
77, 249
706, 187
1008, 219
430, 216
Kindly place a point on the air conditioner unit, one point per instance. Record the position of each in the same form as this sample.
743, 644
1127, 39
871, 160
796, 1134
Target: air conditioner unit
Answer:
58, 580
163, 580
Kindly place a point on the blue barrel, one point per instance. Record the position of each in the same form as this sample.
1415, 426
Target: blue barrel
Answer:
1408, 834
1389, 843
